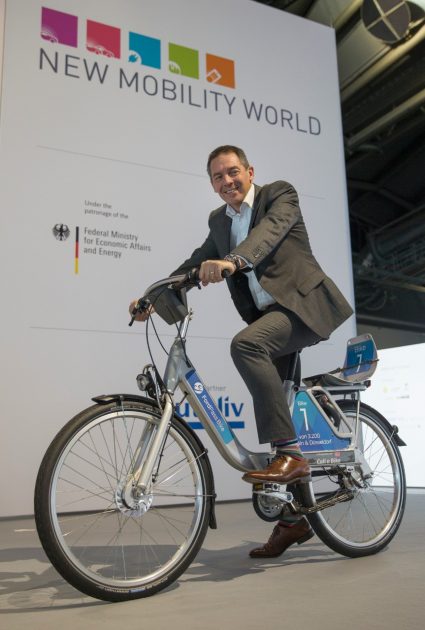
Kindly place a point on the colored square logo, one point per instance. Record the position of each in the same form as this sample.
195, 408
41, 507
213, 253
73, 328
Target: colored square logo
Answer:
103, 39
184, 61
144, 50
220, 70
58, 27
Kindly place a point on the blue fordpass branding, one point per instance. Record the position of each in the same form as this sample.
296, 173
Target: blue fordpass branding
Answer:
209, 406
314, 433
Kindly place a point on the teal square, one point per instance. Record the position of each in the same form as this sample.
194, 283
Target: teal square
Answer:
144, 50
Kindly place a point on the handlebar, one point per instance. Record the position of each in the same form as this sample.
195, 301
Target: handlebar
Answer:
176, 283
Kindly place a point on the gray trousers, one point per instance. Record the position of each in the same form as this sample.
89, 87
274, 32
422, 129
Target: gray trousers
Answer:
260, 352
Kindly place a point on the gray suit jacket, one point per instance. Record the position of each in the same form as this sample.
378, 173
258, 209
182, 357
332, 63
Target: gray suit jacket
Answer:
278, 248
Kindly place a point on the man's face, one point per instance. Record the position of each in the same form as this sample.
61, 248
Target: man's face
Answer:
230, 179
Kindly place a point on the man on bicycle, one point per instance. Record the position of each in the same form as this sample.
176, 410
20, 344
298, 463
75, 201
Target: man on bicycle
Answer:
282, 294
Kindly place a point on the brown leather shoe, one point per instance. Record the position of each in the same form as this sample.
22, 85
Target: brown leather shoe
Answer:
283, 469
281, 538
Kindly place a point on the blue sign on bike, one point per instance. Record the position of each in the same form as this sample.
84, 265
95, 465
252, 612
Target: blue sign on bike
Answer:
209, 406
314, 432
361, 357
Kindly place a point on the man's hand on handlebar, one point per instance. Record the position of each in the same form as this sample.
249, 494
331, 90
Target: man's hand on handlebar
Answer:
211, 271
140, 315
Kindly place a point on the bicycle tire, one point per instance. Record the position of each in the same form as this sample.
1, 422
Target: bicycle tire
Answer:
368, 522
93, 535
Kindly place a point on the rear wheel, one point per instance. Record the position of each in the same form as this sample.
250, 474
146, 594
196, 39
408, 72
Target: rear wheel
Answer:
375, 494
104, 538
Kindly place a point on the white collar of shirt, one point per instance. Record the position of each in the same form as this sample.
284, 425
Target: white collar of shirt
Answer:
248, 202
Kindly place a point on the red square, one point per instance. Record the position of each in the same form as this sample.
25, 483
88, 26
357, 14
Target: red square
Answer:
103, 39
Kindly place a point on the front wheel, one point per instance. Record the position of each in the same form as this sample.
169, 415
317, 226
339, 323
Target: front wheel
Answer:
369, 518
100, 534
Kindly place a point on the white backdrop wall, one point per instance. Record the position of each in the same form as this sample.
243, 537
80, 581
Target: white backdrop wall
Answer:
396, 391
92, 138
2, 25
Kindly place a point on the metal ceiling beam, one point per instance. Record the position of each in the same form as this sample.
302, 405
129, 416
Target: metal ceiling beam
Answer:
411, 104
389, 322
383, 64
347, 14
416, 124
358, 185
398, 284
402, 219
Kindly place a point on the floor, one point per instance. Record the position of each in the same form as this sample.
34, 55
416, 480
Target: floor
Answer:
308, 587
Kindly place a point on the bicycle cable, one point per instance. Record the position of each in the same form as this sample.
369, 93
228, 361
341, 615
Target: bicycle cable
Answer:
183, 343
159, 384
150, 319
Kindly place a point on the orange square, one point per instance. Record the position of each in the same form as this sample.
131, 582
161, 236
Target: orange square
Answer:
220, 70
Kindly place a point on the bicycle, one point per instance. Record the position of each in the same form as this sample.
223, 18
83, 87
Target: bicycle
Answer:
125, 492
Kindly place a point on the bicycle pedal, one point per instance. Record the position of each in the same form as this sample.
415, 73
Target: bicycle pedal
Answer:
274, 487
268, 487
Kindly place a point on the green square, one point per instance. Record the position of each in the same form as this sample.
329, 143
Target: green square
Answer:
184, 61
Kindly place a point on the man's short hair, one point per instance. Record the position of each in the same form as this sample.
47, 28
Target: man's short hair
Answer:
227, 148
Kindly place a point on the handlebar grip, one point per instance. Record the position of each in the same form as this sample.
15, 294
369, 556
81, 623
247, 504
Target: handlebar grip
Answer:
142, 305
193, 274
191, 279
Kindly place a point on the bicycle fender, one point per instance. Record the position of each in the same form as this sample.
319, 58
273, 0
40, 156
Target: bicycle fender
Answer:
106, 399
392, 428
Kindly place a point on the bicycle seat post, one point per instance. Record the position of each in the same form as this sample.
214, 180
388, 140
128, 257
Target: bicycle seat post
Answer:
294, 368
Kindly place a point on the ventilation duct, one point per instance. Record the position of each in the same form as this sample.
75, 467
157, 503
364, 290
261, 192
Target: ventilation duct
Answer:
387, 20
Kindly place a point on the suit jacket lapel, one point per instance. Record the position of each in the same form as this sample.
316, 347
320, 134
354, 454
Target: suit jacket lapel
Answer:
223, 227
255, 207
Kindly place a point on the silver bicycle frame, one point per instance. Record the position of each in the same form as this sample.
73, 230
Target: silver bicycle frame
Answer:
180, 373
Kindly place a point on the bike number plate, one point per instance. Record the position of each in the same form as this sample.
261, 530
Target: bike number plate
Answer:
360, 358
313, 430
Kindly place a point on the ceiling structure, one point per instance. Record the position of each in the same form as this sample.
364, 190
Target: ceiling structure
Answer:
381, 59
